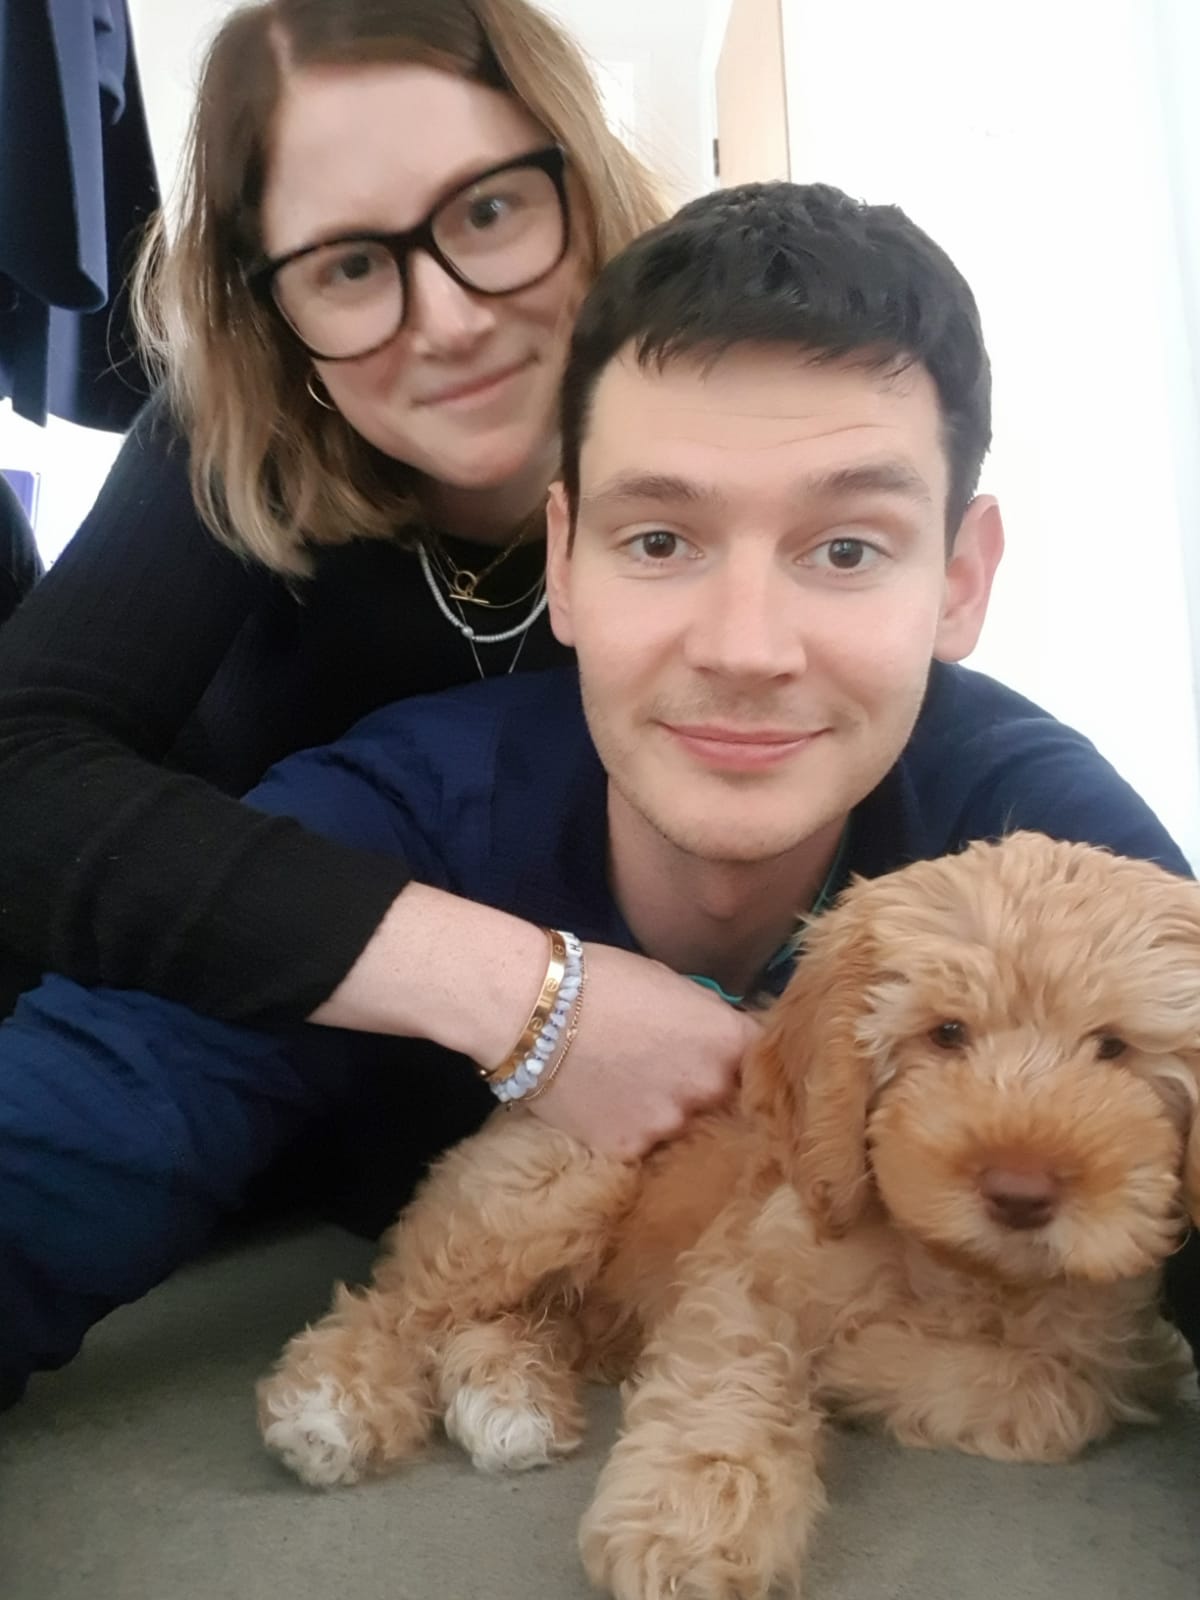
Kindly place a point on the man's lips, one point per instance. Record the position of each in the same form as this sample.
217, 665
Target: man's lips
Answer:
736, 747
471, 388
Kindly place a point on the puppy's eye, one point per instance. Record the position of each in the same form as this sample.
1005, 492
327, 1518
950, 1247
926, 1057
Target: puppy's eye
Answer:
1109, 1047
950, 1035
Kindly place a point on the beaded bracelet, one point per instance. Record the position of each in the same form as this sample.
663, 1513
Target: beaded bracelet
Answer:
552, 1071
542, 1036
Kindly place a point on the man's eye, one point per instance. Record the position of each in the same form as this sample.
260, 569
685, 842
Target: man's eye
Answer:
658, 545
846, 555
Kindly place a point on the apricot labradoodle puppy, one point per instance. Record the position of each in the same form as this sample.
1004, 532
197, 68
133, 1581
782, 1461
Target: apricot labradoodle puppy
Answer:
961, 1153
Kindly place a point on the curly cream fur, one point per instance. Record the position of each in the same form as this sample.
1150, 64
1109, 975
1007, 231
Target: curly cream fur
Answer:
825, 1246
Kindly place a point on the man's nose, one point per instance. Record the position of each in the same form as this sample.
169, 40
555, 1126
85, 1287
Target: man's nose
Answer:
443, 318
747, 621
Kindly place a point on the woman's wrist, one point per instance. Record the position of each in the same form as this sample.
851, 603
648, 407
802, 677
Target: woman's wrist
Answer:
444, 968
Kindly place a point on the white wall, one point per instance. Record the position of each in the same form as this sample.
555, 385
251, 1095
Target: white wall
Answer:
1024, 135
1177, 29
71, 464
170, 37
655, 47
664, 41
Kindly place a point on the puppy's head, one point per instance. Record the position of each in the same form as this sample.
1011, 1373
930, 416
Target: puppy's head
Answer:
1003, 1049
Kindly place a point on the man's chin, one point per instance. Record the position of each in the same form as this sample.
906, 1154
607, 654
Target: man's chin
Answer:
745, 846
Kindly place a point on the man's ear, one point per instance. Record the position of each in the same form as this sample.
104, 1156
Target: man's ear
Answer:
974, 557
558, 561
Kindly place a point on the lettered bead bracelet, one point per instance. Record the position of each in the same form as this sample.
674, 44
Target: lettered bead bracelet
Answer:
543, 1037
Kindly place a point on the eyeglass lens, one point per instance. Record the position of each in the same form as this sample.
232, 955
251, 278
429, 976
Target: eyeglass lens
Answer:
499, 235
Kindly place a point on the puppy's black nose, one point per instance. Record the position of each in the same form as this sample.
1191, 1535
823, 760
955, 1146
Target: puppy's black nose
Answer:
1020, 1197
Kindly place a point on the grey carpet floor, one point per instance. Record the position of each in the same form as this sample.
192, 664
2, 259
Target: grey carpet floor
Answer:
136, 1474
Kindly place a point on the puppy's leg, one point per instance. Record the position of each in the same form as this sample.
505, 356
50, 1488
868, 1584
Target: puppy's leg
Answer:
984, 1399
507, 1211
712, 1489
351, 1395
508, 1390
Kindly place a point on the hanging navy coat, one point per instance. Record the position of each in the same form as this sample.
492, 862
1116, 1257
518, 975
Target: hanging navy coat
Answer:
77, 183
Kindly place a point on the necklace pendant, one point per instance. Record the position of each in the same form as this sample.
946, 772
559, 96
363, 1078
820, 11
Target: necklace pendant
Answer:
465, 595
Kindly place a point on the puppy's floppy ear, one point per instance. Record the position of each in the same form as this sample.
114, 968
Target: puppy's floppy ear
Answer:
810, 1075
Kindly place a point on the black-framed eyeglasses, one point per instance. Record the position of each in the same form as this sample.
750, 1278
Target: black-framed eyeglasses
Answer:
503, 230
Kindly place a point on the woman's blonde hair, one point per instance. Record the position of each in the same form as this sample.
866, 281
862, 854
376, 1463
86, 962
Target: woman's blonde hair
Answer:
272, 472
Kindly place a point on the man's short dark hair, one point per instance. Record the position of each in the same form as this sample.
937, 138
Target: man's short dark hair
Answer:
789, 264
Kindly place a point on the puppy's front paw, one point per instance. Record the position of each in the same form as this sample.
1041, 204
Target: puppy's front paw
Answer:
501, 1435
313, 1430
706, 1528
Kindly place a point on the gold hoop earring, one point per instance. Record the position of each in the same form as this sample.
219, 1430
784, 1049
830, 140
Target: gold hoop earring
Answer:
325, 405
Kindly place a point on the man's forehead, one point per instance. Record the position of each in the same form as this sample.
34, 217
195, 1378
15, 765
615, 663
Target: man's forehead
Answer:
763, 402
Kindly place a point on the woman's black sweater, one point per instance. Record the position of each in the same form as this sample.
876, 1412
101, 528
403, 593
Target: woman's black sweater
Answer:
152, 676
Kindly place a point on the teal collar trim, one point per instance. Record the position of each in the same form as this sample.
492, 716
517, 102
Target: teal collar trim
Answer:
711, 983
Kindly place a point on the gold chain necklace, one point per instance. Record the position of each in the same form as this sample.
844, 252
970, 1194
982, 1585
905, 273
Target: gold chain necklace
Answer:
462, 584
441, 568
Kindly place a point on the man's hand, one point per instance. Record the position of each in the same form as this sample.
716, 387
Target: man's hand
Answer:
652, 1050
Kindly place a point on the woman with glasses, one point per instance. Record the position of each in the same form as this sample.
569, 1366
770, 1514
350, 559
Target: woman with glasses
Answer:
391, 209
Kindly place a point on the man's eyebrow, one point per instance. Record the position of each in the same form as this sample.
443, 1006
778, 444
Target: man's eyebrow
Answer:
665, 488
871, 477
659, 488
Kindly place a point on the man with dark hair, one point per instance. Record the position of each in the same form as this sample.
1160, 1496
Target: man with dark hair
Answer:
769, 556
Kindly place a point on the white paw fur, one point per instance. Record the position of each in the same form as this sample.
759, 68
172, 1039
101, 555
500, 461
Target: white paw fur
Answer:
497, 1437
313, 1434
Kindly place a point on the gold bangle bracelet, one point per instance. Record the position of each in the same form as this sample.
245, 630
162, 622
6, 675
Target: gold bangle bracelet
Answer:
552, 1070
556, 969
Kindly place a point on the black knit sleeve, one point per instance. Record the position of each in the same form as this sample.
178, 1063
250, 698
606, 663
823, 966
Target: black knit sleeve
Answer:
113, 868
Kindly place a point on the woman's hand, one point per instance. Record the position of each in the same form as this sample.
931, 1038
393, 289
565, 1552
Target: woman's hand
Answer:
652, 1049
